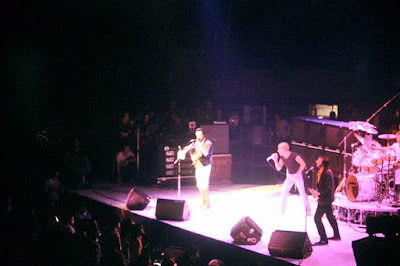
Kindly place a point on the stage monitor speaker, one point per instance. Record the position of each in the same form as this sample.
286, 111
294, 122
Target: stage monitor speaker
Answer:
175, 210
387, 225
137, 199
376, 251
246, 232
286, 244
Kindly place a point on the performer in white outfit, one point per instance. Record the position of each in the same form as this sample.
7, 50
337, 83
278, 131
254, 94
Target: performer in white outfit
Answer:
201, 151
201, 155
294, 174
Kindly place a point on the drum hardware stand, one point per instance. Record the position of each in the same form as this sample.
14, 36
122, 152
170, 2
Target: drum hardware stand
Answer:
395, 204
382, 107
396, 187
344, 141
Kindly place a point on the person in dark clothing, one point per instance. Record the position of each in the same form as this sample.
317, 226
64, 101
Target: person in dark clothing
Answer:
126, 130
111, 250
325, 193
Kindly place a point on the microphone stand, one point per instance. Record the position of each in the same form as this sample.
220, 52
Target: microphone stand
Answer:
138, 153
344, 141
383, 106
178, 161
179, 179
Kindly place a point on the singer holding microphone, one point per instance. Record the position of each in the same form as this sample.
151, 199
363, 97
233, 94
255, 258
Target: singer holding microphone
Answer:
294, 174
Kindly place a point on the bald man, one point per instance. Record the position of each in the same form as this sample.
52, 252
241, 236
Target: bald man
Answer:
294, 174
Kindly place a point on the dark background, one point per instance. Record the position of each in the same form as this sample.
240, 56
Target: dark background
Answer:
76, 65
68, 60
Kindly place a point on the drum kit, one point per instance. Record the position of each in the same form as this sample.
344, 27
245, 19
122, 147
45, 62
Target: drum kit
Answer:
374, 174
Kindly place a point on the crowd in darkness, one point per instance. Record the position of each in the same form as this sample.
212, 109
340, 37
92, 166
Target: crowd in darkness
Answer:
66, 232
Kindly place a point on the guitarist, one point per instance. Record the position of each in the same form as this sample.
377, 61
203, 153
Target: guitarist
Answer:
125, 165
201, 155
325, 195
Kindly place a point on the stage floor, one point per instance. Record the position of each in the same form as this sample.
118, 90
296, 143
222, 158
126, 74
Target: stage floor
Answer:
231, 202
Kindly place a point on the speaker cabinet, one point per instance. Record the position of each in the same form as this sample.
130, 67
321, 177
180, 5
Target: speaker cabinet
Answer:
316, 136
137, 199
387, 225
254, 134
246, 232
377, 251
286, 244
299, 130
219, 136
175, 210
221, 168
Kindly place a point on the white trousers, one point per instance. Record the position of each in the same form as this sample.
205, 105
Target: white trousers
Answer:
290, 180
203, 176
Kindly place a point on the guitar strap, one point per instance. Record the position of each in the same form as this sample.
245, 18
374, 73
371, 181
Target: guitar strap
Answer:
200, 149
204, 143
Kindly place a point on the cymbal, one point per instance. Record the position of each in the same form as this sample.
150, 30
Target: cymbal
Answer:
359, 138
387, 136
371, 143
363, 126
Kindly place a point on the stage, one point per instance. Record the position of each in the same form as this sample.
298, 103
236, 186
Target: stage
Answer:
231, 202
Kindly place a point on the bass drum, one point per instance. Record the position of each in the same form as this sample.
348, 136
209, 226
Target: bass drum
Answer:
361, 187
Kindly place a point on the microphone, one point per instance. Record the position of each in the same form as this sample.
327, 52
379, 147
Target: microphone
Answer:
191, 141
309, 170
271, 156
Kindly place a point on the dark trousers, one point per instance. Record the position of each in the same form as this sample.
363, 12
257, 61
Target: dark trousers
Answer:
321, 210
128, 174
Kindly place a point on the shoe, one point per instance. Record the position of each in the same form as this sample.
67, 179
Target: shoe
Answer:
334, 238
321, 243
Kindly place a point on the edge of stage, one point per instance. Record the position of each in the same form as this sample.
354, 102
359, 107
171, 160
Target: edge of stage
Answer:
231, 202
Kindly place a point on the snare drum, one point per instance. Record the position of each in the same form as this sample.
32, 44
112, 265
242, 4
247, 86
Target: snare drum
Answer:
361, 187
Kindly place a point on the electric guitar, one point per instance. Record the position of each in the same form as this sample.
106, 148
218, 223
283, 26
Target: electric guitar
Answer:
127, 160
196, 156
314, 193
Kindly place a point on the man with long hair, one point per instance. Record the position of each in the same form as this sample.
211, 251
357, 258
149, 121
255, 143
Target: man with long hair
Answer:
325, 195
